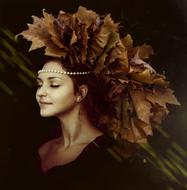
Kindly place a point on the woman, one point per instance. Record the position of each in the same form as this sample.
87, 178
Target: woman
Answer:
97, 85
57, 96
78, 149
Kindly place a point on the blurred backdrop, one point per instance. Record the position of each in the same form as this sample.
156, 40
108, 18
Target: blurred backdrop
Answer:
160, 23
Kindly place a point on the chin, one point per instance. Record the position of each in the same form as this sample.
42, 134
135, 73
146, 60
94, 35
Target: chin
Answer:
45, 114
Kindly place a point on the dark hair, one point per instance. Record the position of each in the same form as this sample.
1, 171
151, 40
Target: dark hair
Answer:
92, 103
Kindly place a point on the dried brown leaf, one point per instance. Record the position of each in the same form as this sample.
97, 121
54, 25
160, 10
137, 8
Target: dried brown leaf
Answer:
128, 135
102, 36
73, 39
162, 96
144, 127
145, 51
141, 105
54, 51
114, 89
87, 17
137, 60
127, 41
159, 114
160, 80
133, 133
139, 135
143, 77
62, 32
118, 59
84, 43
37, 33
114, 38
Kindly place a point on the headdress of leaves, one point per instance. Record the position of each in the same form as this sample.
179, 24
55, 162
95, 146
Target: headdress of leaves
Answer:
87, 40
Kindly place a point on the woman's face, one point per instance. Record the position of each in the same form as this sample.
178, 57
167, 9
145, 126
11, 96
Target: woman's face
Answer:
55, 94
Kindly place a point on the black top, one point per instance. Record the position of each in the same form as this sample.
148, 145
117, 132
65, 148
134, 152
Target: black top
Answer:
96, 169
93, 169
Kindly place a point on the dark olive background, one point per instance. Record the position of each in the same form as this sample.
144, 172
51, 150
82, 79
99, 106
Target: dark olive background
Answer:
160, 23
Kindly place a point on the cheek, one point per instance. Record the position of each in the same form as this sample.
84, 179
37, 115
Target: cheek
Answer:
64, 96
63, 102
37, 96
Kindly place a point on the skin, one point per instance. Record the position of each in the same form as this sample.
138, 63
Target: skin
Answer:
77, 130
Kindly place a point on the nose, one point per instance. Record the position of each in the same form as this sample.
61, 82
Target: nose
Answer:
41, 91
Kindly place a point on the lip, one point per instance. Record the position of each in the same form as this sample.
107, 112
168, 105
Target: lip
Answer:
46, 103
43, 105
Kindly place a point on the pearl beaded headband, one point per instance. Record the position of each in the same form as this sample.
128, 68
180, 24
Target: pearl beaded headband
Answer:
63, 72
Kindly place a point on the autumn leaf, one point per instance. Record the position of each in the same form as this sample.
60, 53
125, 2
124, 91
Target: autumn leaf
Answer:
138, 60
118, 59
125, 110
40, 37
160, 80
37, 33
84, 43
140, 131
143, 77
134, 133
144, 127
141, 105
101, 60
127, 41
162, 96
87, 17
49, 23
53, 51
145, 51
73, 39
139, 135
63, 28
103, 34
114, 88
128, 135
159, 114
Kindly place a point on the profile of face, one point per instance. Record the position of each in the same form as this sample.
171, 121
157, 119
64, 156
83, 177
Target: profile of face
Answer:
55, 93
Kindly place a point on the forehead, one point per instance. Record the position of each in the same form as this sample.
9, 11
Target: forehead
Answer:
53, 65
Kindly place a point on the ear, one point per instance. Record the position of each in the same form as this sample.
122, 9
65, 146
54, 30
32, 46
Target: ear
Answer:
83, 90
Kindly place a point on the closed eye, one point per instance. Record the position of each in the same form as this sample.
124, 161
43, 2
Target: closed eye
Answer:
54, 85
39, 85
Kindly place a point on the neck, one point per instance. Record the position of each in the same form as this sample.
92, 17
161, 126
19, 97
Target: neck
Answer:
76, 128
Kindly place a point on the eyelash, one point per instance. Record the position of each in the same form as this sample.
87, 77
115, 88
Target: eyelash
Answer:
52, 85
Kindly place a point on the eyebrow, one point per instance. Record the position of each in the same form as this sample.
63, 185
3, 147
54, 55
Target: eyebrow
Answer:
49, 78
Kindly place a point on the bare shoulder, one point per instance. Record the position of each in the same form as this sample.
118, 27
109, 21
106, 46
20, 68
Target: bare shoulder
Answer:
44, 148
48, 147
